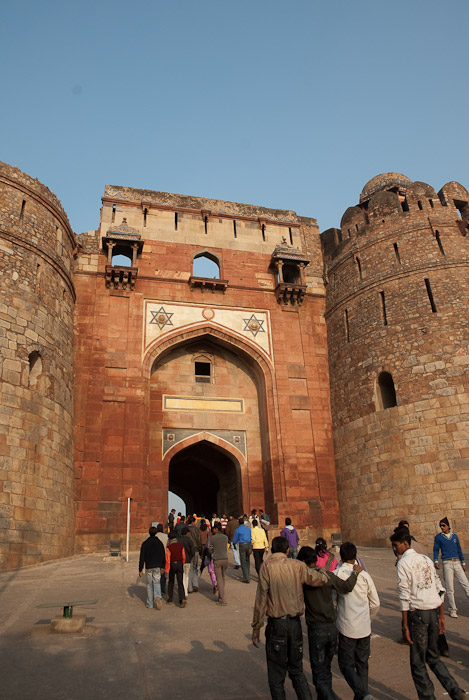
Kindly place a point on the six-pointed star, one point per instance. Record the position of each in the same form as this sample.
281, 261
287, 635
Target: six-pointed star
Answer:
254, 325
161, 318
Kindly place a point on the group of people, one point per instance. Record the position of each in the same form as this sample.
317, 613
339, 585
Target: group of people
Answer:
315, 580
339, 598
184, 547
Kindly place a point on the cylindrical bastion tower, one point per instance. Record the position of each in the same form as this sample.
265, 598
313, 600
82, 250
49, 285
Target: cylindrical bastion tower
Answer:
397, 274
36, 373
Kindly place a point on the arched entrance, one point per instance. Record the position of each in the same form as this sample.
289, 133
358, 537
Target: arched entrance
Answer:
207, 478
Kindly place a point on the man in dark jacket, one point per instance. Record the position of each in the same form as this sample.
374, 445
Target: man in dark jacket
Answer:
152, 556
320, 619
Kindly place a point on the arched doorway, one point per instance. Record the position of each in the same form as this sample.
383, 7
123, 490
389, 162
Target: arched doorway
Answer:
207, 478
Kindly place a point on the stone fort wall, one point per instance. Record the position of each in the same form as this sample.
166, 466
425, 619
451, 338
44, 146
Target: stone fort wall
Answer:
36, 381
397, 302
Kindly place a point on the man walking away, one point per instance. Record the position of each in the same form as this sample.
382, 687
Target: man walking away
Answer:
260, 544
355, 612
163, 537
152, 556
292, 536
321, 617
229, 532
175, 559
422, 617
189, 551
280, 596
454, 565
194, 533
242, 540
219, 551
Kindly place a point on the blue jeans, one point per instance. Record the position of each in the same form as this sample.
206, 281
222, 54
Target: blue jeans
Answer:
293, 553
284, 651
424, 630
153, 586
322, 640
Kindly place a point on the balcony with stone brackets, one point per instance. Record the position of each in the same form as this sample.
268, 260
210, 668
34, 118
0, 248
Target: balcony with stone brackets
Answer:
126, 241
289, 264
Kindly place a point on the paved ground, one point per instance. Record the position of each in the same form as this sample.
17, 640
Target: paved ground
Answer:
200, 652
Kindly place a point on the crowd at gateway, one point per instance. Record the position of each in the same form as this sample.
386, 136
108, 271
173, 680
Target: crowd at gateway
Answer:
338, 596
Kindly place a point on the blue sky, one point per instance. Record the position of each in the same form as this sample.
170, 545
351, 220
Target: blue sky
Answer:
291, 105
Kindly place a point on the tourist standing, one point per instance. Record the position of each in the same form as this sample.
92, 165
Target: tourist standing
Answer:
325, 558
175, 558
454, 566
194, 533
163, 537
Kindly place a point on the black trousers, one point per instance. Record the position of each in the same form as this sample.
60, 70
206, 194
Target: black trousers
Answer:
244, 549
258, 558
322, 647
353, 663
424, 631
284, 651
176, 570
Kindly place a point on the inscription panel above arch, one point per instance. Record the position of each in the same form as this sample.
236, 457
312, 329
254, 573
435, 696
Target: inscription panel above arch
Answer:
172, 436
163, 318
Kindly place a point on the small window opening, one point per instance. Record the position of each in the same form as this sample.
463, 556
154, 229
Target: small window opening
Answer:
383, 308
386, 391
145, 212
113, 217
206, 224
347, 326
440, 244
430, 295
203, 372
462, 207
35, 368
349, 234
405, 205
235, 233
430, 201
339, 235
23, 204
121, 259
205, 266
359, 267
290, 274
396, 251
176, 221
263, 231
419, 204
356, 228
291, 235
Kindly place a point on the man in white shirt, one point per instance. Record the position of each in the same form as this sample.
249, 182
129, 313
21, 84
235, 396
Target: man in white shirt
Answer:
355, 611
422, 617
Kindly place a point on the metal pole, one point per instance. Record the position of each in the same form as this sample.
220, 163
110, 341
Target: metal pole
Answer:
128, 529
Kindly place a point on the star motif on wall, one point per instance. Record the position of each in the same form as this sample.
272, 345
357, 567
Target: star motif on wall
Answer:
254, 325
161, 318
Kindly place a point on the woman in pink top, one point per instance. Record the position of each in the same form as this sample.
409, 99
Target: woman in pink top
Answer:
326, 559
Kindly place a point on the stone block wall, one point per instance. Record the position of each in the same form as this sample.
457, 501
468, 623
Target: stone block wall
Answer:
397, 302
36, 373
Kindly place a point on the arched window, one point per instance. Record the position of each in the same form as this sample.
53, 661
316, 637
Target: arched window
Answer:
386, 392
121, 258
35, 368
206, 265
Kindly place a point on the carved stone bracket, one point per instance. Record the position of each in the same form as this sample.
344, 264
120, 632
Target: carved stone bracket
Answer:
204, 283
121, 277
286, 293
